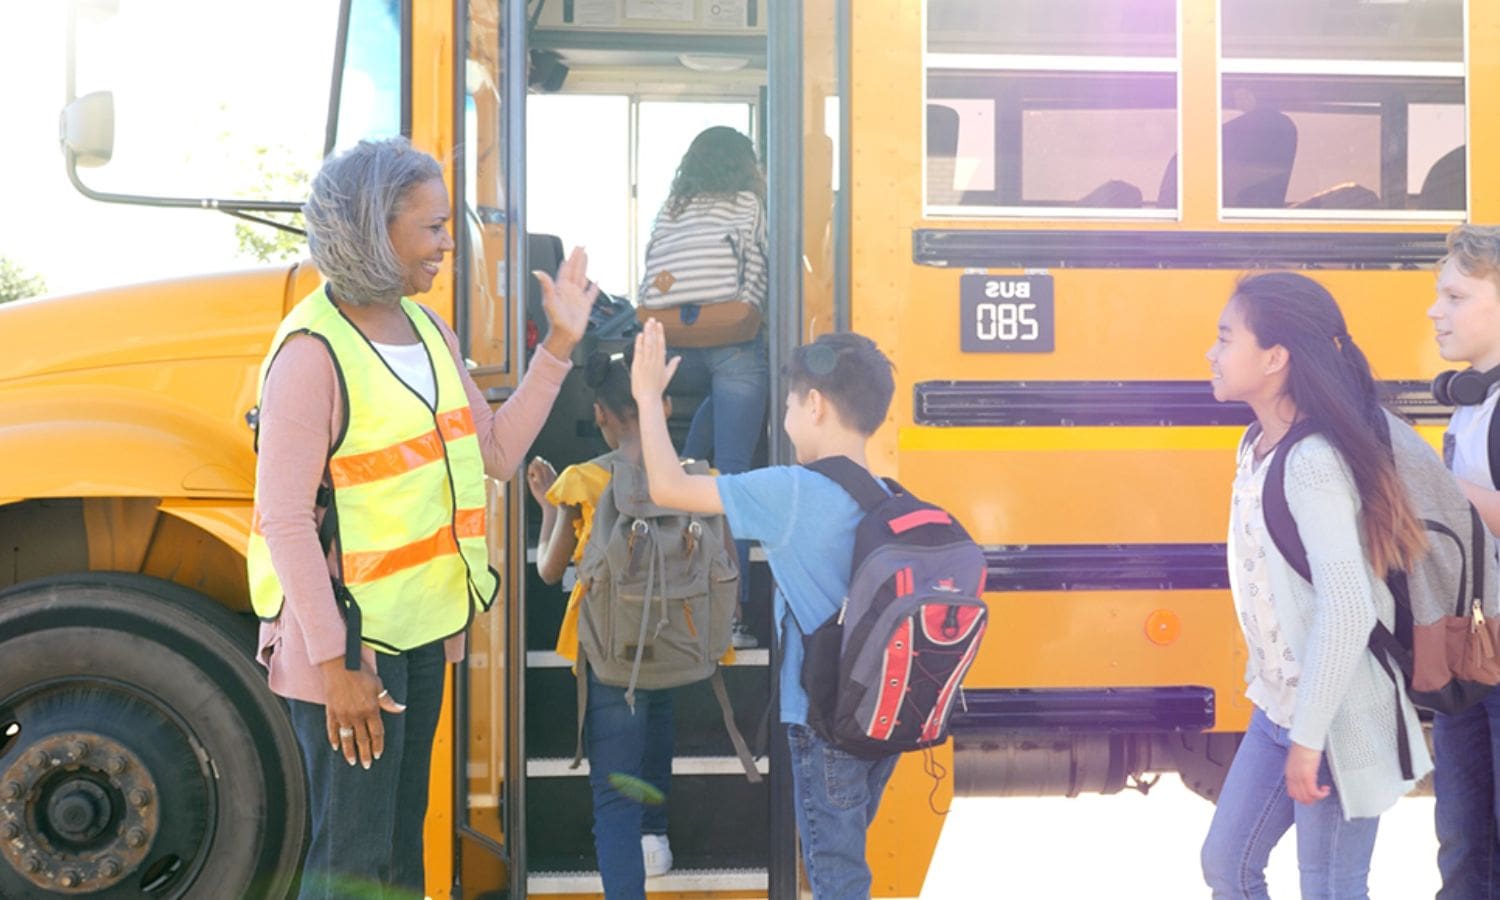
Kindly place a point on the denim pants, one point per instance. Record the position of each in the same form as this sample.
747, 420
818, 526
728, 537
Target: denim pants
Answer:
728, 424
367, 825
637, 745
835, 795
1254, 811
1467, 744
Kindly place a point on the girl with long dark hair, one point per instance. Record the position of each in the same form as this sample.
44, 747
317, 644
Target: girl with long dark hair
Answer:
719, 180
1320, 751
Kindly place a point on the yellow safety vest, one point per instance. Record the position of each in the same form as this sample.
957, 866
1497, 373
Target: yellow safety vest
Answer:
408, 493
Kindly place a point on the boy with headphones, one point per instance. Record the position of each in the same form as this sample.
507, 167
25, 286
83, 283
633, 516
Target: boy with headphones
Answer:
1466, 317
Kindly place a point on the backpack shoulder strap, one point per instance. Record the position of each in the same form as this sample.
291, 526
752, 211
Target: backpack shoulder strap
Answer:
1279, 521
853, 478
1494, 447
741, 749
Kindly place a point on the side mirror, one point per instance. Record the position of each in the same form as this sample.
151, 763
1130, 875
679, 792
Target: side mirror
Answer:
87, 129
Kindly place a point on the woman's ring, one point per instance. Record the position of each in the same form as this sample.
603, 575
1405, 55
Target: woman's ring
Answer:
382, 694
346, 732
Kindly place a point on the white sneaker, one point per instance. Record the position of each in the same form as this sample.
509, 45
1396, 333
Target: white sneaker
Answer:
657, 853
741, 638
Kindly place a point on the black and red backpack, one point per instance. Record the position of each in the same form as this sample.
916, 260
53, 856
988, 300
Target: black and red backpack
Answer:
882, 674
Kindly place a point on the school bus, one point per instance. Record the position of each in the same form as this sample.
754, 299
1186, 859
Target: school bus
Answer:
1036, 208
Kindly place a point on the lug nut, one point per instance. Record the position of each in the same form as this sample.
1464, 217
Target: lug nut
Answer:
10, 831
77, 750
11, 791
69, 878
109, 867
116, 765
33, 864
40, 759
135, 837
139, 797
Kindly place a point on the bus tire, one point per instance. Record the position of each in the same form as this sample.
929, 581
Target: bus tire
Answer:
141, 752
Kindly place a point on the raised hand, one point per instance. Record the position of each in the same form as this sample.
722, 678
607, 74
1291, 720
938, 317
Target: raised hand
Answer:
650, 371
539, 478
567, 301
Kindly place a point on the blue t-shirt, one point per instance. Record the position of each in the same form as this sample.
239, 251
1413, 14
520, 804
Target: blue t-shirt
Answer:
806, 524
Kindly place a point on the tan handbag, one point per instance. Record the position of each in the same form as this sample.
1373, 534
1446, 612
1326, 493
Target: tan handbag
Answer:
707, 325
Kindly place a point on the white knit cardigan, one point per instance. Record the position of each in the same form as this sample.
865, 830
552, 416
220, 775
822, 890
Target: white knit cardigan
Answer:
1346, 704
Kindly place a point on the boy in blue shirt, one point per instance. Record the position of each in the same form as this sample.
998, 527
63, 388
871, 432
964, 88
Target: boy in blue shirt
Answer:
840, 390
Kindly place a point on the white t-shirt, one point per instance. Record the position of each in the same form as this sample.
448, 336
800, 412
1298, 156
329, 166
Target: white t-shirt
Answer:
1274, 670
410, 363
1466, 444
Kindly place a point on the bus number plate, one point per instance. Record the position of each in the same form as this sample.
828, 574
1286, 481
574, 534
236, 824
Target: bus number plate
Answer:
1005, 313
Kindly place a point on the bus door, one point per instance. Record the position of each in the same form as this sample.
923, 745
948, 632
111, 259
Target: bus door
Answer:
595, 105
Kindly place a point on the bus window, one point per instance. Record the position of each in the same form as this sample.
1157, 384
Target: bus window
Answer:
1051, 108
369, 97
1350, 111
580, 190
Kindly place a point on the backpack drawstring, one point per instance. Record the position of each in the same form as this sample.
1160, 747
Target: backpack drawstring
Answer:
637, 528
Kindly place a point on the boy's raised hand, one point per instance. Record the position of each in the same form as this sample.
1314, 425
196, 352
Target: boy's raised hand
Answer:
650, 371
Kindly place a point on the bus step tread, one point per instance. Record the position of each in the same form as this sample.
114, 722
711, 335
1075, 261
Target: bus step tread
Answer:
584, 881
560, 767
549, 659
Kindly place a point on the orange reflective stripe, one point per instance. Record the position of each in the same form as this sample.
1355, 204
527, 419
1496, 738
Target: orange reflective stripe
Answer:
372, 565
360, 568
387, 462
469, 523
456, 423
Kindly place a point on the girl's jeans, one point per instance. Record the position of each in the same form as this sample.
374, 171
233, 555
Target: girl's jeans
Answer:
638, 746
1254, 811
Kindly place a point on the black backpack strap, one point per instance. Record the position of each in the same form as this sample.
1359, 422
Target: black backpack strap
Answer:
1279, 521
1494, 448
763, 730
855, 479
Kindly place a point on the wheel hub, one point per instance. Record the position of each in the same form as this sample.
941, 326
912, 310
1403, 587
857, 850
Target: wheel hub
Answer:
77, 812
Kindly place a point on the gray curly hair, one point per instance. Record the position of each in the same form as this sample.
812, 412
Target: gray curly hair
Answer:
354, 197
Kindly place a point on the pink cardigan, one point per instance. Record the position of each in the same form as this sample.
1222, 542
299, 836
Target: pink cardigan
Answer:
300, 412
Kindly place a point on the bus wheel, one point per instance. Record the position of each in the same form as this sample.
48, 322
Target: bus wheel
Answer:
141, 753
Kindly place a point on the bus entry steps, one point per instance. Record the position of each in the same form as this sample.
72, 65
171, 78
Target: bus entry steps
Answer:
687, 881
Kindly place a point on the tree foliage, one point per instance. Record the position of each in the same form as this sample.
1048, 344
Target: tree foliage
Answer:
276, 177
17, 283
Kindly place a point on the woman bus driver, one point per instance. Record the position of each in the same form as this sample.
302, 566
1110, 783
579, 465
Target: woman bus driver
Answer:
374, 439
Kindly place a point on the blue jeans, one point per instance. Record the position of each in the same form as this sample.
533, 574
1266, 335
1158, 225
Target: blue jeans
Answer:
637, 745
728, 424
367, 825
1467, 744
1254, 811
835, 795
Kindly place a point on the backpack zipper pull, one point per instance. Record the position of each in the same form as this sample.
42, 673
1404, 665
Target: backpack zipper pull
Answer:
687, 612
843, 608
1476, 621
